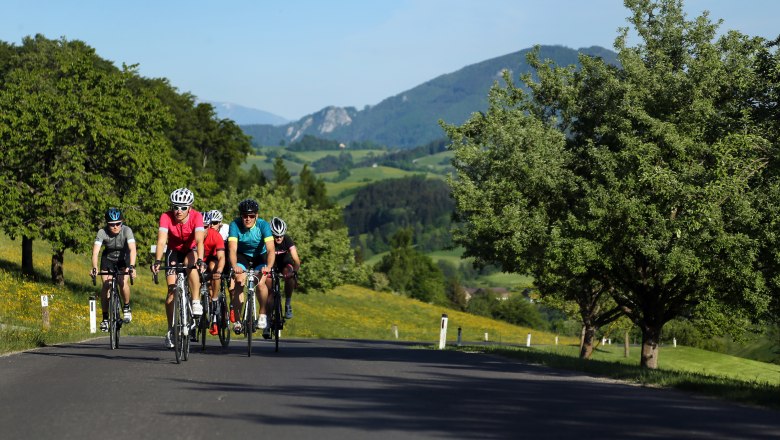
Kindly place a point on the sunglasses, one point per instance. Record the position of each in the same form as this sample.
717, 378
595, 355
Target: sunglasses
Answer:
248, 215
215, 223
182, 208
113, 225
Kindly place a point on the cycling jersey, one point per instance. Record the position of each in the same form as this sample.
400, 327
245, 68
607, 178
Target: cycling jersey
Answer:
181, 236
116, 245
212, 244
251, 242
283, 257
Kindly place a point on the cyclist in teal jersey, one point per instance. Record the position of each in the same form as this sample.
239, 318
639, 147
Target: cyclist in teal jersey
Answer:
250, 245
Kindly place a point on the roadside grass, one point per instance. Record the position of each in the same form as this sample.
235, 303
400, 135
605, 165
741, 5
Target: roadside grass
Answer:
683, 368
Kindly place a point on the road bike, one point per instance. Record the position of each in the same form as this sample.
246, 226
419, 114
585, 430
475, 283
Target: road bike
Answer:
182, 311
277, 318
115, 319
214, 312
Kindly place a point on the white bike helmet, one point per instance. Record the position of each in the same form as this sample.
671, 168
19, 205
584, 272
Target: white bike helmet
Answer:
216, 216
182, 196
278, 227
207, 218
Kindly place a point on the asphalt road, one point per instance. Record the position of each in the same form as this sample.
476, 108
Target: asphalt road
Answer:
326, 389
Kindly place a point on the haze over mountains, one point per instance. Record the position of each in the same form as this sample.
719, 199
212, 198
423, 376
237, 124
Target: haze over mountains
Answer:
410, 118
245, 115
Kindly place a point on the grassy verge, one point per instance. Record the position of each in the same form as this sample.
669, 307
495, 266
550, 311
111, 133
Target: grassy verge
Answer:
683, 368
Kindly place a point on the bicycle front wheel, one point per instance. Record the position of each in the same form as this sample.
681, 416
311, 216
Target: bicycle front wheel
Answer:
249, 322
178, 328
277, 319
223, 321
205, 318
113, 319
187, 321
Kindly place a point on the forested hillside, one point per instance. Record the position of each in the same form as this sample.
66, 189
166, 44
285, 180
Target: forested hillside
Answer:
410, 118
380, 209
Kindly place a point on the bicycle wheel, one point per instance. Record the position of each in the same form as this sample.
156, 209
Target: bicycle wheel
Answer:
249, 322
118, 319
187, 321
205, 319
178, 329
277, 320
276, 317
113, 324
223, 321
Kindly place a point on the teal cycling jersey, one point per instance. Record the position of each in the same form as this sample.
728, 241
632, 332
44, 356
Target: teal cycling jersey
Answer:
251, 242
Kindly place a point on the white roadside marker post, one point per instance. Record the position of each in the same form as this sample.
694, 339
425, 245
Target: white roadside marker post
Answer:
92, 315
45, 311
443, 332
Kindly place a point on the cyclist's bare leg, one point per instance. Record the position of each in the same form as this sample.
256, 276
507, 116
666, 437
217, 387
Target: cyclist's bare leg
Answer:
238, 293
192, 275
216, 278
171, 280
262, 292
289, 284
124, 286
104, 295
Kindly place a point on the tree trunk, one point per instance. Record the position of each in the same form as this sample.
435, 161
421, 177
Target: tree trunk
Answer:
27, 257
588, 334
625, 344
651, 336
57, 258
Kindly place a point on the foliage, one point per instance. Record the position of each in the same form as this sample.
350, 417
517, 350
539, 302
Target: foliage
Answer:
213, 148
311, 189
638, 181
410, 272
72, 147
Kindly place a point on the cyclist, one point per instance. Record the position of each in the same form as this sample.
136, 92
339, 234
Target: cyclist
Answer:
120, 253
250, 245
214, 253
216, 223
286, 262
182, 230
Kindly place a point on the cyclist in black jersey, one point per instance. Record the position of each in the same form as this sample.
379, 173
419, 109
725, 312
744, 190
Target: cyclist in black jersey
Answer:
120, 253
287, 261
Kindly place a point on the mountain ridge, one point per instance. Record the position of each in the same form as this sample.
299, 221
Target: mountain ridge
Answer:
410, 118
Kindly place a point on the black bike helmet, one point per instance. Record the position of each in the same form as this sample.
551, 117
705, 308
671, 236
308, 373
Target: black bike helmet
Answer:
113, 215
248, 205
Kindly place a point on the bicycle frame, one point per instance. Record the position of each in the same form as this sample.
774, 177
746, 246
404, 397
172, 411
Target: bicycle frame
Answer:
249, 315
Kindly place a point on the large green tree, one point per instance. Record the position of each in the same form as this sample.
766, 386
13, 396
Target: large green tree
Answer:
76, 140
639, 179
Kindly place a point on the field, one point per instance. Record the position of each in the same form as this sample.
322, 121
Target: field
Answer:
343, 190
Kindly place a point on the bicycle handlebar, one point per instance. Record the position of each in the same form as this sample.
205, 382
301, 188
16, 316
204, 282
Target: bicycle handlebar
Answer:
177, 269
112, 272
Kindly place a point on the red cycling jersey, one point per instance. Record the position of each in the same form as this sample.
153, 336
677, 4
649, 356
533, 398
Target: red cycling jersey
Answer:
212, 243
181, 236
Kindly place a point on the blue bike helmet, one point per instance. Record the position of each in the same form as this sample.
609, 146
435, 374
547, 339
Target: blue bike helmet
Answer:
113, 215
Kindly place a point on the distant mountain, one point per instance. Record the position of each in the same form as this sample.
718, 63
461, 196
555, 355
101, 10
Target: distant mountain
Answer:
410, 118
244, 115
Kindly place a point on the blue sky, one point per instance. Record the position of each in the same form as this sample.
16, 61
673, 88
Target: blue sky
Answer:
295, 57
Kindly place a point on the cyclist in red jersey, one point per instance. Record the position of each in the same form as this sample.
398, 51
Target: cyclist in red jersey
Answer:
214, 253
182, 230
